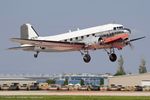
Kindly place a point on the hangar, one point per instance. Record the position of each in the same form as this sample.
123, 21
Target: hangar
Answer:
130, 80
10, 80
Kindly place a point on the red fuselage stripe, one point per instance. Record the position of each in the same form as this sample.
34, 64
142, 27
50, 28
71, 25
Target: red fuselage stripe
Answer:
116, 37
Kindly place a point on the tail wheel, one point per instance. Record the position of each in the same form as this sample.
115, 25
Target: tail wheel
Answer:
36, 54
113, 57
87, 58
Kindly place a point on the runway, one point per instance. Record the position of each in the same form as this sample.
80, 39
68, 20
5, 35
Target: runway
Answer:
81, 93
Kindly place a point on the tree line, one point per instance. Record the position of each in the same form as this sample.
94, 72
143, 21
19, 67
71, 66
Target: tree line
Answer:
121, 71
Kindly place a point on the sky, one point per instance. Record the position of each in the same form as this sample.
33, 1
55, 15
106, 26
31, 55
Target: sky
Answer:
51, 17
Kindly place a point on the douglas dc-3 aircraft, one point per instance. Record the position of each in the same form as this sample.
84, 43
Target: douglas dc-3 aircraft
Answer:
107, 37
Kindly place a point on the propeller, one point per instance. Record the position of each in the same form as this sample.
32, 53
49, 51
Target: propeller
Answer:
129, 42
131, 46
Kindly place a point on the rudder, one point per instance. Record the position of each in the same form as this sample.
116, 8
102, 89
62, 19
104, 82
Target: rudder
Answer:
28, 32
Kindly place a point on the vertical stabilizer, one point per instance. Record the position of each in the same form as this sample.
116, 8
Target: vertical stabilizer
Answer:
28, 32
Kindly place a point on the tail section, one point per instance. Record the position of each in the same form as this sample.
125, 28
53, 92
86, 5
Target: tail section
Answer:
28, 32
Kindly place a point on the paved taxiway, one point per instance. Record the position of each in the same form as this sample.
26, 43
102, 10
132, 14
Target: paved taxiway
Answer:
84, 93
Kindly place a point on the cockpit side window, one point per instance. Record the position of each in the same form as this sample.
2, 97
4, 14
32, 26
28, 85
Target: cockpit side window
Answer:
120, 27
115, 28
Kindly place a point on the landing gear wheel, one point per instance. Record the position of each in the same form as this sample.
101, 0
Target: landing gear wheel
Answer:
87, 58
36, 55
113, 57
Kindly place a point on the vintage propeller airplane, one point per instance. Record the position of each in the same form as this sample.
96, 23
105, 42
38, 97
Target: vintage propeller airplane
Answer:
107, 37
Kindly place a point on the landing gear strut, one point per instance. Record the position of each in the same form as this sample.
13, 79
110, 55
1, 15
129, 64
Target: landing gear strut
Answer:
36, 54
112, 55
86, 56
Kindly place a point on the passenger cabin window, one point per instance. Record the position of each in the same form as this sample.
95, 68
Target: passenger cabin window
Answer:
93, 34
76, 38
87, 35
82, 37
71, 39
114, 28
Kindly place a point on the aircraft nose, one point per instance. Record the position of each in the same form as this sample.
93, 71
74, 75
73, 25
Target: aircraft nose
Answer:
128, 30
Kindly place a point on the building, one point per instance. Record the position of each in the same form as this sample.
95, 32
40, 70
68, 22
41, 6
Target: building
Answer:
23, 78
130, 80
89, 79
19, 80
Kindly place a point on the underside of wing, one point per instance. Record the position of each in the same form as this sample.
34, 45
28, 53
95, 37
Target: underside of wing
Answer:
27, 48
52, 46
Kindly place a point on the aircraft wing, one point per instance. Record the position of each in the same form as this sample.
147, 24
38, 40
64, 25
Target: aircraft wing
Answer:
22, 48
51, 45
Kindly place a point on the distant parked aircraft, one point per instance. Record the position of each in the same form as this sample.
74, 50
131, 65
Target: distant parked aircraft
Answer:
107, 37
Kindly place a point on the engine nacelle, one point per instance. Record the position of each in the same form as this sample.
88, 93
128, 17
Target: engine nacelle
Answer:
96, 40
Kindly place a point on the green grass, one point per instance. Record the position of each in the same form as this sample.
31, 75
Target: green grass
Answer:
74, 97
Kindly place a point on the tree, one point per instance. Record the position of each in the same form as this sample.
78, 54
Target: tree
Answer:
81, 82
50, 81
142, 67
66, 82
102, 81
120, 70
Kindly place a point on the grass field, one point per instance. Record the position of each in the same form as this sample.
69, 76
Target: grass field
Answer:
74, 97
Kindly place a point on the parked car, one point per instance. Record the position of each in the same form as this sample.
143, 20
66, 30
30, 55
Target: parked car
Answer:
104, 88
123, 89
64, 88
95, 88
5, 87
23, 87
43, 86
130, 88
146, 88
14, 86
84, 88
33, 86
138, 88
53, 87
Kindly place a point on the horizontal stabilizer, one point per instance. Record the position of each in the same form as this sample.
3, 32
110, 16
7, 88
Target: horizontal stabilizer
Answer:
21, 48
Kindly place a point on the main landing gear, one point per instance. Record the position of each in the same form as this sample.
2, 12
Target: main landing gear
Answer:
112, 55
86, 56
36, 54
